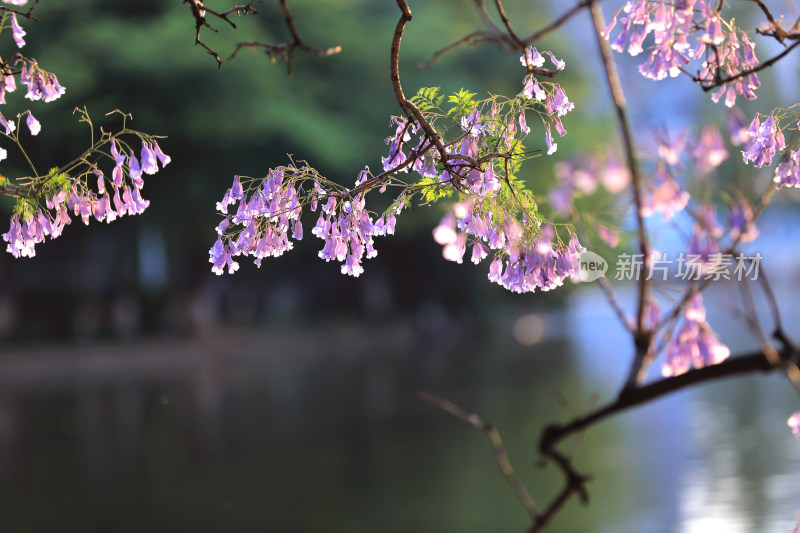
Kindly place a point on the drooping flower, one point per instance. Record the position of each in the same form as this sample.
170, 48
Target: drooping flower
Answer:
33, 125
165, 159
119, 160
9, 125
41, 85
765, 141
709, 152
149, 163
741, 221
787, 173
666, 197
17, 31
551, 146
695, 344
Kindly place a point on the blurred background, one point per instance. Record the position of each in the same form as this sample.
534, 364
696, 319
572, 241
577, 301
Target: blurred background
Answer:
140, 392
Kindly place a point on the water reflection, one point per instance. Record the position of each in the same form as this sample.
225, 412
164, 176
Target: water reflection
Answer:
317, 429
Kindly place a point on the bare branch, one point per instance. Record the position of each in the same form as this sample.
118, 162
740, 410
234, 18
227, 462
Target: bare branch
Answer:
743, 364
491, 432
284, 52
199, 11
27, 14
502, 12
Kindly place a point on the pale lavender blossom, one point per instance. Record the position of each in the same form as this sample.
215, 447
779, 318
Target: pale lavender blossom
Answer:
787, 173
149, 163
33, 125
551, 146
666, 197
162, 157
695, 344
765, 141
17, 31
709, 152
741, 221
9, 125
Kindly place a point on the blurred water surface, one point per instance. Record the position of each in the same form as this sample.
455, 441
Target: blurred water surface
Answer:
317, 429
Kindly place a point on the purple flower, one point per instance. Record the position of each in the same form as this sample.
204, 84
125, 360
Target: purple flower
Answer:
455, 250
741, 221
149, 164
737, 126
134, 171
41, 85
695, 344
119, 160
531, 58
33, 125
666, 197
8, 125
787, 173
523, 125
17, 31
220, 256
709, 152
548, 138
558, 63
165, 159
765, 141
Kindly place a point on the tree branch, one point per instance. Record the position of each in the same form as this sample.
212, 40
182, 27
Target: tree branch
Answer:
27, 14
642, 338
285, 51
474, 421
743, 364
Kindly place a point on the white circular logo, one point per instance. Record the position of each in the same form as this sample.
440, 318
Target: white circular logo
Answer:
592, 266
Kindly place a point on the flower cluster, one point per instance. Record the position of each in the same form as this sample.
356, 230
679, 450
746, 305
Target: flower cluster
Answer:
727, 50
521, 263
734, 56
42, 85
32, 223
44, 202
695, 344
472, 150
555, 101
787, 173
267, 211
581, 176
664, 194
540, 264
765, 141
349, 234
266, 216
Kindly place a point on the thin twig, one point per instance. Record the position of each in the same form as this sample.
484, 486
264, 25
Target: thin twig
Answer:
491, 432
285, 51
27, 14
